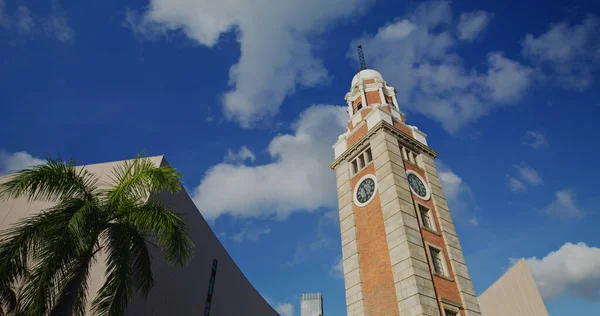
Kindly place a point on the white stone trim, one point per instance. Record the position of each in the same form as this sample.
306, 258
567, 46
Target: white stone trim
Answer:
363, 97
367, 176
381, 96
377, 115
428, 194
357, 117
451, 308
352, 95
340, 147
396, 114
419, 136
433, 229
444, 259
395, 101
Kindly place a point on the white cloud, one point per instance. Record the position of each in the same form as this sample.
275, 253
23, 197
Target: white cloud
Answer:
251, 232
474, 221
25, 21
458, 194
534, 140
417, 55
526, 176
515, 185
529, 174
298, 178
451, 183
337, 270
572, 270
240, 156
564, 205
56, 25
285, 309
275, 43
471, 24
10, 162
570, 52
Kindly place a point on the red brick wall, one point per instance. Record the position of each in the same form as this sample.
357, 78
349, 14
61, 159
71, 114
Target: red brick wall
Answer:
357, 134
372, 97
378, 287
404, 129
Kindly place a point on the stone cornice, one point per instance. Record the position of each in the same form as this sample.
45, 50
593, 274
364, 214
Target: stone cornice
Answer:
451, 302
388, 128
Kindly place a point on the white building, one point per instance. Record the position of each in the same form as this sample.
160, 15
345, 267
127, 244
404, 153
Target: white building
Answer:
311, 304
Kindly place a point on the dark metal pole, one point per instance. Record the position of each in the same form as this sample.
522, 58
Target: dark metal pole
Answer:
361, 58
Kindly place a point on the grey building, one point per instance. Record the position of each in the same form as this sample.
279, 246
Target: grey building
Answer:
311, 304
177, 290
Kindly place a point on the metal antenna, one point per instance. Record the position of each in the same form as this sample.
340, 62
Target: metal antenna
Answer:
361, 58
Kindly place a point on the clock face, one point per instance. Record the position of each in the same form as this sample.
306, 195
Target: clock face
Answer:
417, 185
365, 191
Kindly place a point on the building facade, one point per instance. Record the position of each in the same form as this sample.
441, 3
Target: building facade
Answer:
311, 304
211, 285
515, 294
401, 254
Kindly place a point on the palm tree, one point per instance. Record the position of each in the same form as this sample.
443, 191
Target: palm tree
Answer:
49, 255
8, 301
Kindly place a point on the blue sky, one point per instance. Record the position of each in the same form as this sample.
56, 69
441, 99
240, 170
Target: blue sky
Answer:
247, 99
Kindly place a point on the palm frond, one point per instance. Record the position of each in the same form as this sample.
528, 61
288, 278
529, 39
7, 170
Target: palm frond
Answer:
8, 300
74, 288
135, 179
116, 292
141, 263
85, 222
18, 244
54, 180
155, 219
40, 292
52, 250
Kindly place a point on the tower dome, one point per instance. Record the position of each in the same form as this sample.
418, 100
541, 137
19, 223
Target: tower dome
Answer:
366, 74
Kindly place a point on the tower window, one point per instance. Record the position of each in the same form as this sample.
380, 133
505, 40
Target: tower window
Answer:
361, 161
448, 312
354, 166
358, 106
437, 260
426, 218
409, 155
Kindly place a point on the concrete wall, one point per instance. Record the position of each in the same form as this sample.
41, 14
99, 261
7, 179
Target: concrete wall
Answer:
515, 294
177, 290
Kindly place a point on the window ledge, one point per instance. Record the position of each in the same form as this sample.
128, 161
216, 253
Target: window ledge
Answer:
451, 302
443, 276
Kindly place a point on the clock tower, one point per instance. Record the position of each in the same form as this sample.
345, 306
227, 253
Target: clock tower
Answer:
401, 254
